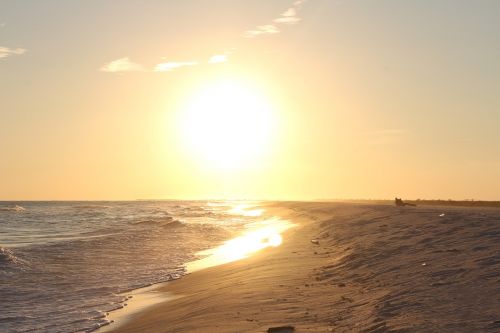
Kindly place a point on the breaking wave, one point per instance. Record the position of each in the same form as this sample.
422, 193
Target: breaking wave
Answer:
16, 208
81, 256
163, 222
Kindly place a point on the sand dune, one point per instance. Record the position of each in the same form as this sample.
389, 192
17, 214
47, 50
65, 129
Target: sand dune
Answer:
350, 268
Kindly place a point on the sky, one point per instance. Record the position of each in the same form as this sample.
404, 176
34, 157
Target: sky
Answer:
291, 100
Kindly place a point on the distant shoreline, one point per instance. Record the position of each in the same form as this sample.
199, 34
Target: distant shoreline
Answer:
424, 202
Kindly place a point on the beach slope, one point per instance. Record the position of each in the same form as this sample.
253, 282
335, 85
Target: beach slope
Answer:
349, 268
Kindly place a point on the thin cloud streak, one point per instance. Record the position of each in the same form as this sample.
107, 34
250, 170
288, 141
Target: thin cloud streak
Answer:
217, 59
122, 65
267, 29
6, 52
288, 17
126, 65
173, 65
288, 20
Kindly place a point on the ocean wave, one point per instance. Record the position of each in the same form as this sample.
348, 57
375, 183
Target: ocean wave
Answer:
16, 208
15, 318
83, 256
198, 214
163, 222
91, 207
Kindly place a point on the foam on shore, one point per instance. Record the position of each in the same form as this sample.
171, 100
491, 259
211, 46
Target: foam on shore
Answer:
258, 236
349, 268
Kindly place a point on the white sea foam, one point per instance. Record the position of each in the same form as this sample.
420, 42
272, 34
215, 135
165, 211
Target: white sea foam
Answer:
83, 256
15, 208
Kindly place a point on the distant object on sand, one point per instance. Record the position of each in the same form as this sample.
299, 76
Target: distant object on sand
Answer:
400, 202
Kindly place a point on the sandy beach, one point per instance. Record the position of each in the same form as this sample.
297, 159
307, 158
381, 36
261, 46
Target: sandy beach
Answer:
286, 166
348, 268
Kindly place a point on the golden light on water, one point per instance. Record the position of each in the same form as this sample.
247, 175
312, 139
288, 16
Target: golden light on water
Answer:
266, 234
228, 124
246, 210
275, 240
249, 243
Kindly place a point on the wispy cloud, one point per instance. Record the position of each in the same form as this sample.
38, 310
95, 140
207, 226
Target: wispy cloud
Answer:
126, 65
122, 65
6, 52
290, 16
267, 29
218, 58
173, 65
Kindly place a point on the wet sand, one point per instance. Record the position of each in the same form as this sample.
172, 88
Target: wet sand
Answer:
348, 268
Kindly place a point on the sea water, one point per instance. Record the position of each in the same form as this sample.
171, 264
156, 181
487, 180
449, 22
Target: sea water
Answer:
65, 265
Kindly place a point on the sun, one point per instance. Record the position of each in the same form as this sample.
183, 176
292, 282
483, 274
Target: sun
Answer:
228, 124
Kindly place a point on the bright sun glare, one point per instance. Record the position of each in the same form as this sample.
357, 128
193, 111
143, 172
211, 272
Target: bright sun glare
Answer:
228, 124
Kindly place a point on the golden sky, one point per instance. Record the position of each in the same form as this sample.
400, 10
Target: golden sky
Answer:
279, 99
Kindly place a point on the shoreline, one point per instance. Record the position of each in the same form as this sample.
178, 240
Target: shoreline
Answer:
194, 283
347, 268
138, 300
142, 299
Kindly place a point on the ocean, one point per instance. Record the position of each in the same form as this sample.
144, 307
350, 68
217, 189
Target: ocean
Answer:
65, 265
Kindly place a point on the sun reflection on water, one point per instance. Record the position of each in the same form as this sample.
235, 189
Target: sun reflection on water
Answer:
246, 210
267, 234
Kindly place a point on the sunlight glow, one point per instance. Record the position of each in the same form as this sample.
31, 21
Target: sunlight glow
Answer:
228, 124
243, 246
245, 210
275, 240
267, 234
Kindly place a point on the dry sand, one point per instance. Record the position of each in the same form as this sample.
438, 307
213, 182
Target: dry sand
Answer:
374, 268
